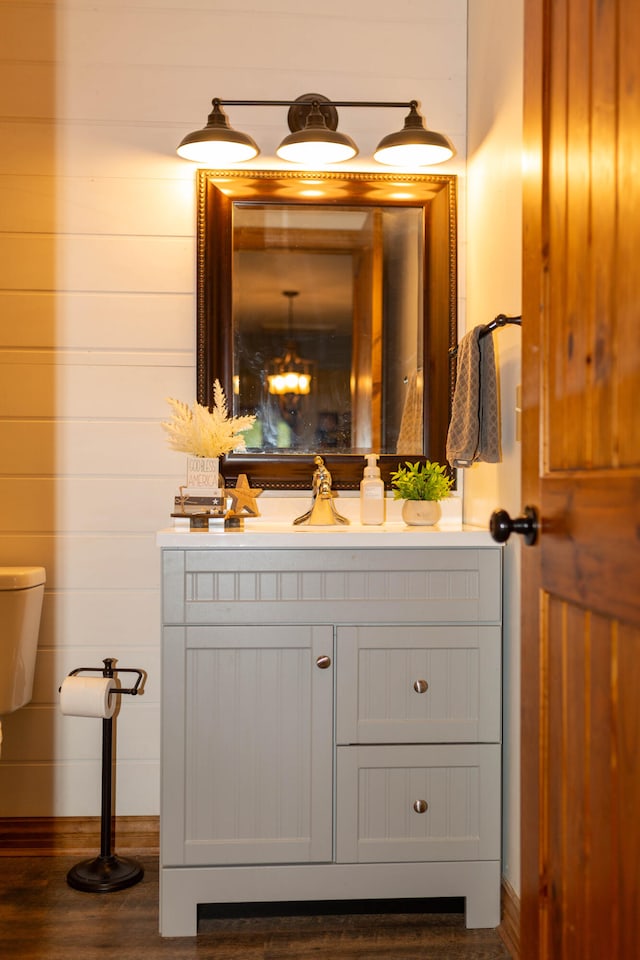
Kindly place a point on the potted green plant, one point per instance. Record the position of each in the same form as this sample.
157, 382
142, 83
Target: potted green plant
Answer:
421, 485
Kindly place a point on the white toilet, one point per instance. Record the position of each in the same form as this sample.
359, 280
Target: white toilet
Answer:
21, 593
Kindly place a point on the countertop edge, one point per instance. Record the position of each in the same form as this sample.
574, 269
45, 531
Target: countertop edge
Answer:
283, 537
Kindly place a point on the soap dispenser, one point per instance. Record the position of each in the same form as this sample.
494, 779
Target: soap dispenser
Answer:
371, 492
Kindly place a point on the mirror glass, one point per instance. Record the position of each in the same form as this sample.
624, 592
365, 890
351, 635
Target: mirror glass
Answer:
344, 282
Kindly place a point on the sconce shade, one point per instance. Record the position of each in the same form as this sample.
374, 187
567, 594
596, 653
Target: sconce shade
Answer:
217, 143
414, 145
316, 143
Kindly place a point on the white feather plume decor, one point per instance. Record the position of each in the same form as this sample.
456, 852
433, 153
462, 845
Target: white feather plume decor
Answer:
201, 432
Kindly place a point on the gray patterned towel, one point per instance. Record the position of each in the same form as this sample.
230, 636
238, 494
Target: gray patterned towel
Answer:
474, 431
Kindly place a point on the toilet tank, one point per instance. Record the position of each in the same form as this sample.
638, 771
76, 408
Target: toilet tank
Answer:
21, 593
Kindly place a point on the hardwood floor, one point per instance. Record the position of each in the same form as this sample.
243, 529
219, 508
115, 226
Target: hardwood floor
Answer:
42, 918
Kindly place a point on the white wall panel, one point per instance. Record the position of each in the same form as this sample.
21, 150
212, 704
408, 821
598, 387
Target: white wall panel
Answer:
35, 733
28, 31
83, 562
403, 9
158, 37
86, 505
126, 150
91, 205
113, 448
129, 391
115, 561
151, 322
67, 788
107, 264
96, 623
26, 90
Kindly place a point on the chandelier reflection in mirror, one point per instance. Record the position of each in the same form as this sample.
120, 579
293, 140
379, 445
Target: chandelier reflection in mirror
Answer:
289, 373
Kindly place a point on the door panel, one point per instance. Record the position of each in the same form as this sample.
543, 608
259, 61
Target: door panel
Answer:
580, 887
589, 730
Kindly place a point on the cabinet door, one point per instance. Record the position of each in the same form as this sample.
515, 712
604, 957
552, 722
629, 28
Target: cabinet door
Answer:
419, 684
247, 769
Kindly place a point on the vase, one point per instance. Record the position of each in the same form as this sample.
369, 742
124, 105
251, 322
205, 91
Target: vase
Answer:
203, 473
421, 512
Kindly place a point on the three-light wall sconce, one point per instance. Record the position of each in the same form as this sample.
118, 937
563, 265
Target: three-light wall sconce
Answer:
314, 138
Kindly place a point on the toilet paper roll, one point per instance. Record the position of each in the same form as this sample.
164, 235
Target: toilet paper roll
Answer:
88, 697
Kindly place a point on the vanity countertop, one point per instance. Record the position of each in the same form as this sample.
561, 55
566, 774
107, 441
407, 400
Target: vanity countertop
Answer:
274, 529
265, 534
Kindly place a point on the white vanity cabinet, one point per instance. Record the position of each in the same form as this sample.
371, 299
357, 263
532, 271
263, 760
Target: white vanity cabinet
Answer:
330, 724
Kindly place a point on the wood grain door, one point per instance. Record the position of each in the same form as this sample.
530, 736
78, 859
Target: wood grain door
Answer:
581, 458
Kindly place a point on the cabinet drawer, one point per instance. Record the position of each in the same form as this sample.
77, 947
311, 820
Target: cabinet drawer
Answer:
415, 803
401, 684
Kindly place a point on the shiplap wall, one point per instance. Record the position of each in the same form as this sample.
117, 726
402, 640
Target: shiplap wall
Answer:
97, 320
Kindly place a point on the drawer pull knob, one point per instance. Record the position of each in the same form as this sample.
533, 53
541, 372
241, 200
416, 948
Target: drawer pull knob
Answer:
420, 686
323, 662
420, 806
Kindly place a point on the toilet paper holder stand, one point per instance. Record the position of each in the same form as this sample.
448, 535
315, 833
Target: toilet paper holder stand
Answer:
109, 670
107, 872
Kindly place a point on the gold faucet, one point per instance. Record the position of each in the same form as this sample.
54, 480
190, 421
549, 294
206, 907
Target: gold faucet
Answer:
322, 512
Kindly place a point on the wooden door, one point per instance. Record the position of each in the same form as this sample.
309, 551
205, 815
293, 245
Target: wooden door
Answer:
581, 456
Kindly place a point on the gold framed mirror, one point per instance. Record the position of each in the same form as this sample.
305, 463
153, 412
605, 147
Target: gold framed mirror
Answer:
349, 279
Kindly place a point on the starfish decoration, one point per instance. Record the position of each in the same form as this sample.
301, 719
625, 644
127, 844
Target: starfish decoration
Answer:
243, 497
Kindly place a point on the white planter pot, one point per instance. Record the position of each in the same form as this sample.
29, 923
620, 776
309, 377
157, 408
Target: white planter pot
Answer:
421, 512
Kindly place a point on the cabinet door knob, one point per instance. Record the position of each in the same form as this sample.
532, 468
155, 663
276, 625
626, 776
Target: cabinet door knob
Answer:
323, 662
420, 686
420, 806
